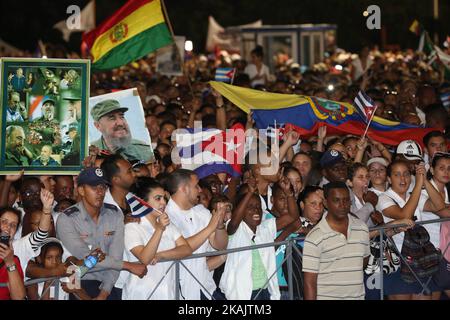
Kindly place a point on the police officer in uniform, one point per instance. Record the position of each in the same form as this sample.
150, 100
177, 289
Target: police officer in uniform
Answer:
92, 224
109, 119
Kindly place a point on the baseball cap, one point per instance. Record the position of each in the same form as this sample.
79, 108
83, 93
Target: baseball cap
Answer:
379, 160
92, 177
330, 158
410, 149
106, 106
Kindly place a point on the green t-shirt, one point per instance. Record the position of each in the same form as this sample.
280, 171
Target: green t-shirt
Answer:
259, 274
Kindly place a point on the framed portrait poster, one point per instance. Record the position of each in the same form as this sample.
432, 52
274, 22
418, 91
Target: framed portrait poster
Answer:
43, 119
117, 125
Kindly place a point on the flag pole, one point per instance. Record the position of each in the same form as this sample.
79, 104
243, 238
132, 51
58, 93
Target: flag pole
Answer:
166, 16
368, 124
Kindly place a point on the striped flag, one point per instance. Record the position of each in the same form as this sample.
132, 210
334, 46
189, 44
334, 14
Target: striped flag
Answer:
445, 98
139, 207
35, 108
135, 30
224, 75
365, 105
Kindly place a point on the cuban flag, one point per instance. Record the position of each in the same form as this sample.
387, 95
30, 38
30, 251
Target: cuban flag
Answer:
224, 75
445, 98
210, 151
365, 106
139, 208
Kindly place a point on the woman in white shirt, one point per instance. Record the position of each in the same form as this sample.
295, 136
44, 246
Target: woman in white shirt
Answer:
150, 240
440, 232
397, 203
257, 71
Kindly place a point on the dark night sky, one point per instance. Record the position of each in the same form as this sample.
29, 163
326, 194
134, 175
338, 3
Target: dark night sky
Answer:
22, 23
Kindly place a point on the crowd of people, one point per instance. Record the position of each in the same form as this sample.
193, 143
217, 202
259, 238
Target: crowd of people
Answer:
327, 193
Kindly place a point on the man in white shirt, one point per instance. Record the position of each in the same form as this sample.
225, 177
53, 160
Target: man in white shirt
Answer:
200, 229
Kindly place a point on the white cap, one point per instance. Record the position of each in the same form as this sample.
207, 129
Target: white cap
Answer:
379, 160
410, 149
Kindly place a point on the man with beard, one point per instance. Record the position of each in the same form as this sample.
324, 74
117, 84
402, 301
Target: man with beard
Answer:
45, 158
16, 154
109, 119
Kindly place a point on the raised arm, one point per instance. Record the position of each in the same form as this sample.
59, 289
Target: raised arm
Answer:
291, 139
407, 212
293, 213
221, 115
145, 254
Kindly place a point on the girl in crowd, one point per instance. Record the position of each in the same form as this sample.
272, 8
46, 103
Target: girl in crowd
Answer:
295, 179
10, 269
246, 228
398, 203
149, 241
363, 201
440, 232
311, 203
50, 258
377, 172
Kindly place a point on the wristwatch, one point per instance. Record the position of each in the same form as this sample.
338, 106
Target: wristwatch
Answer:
11, 268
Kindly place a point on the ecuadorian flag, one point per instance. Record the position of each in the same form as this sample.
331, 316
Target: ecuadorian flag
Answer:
135, 30
306, 114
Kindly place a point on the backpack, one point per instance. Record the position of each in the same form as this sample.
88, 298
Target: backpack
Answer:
420, 254
391, 261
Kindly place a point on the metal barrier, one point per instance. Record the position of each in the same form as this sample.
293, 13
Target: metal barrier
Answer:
290, 248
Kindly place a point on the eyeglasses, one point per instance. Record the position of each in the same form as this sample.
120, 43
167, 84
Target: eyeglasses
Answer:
5, 222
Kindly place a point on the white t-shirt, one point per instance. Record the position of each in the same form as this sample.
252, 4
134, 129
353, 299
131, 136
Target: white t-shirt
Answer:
24, 251
139, 234
391, 198
377, 192
236, 282
252, 71
434, 229
190, 222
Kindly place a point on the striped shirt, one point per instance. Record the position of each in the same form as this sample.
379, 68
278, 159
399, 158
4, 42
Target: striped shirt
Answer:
37, 238
337, 260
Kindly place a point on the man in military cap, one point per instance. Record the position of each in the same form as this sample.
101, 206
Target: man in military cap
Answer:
46, 125
92, 224
109, 119
73, 156
16, 154
74, 98
45, 158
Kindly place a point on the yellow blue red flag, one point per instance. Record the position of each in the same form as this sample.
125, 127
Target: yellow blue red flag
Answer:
306, 114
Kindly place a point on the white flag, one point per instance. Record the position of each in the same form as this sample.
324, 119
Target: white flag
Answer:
87, 17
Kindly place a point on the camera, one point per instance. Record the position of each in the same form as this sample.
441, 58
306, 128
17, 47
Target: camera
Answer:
4, 238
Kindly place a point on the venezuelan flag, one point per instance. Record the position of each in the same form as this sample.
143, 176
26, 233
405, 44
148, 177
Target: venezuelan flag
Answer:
135, 30
306, 114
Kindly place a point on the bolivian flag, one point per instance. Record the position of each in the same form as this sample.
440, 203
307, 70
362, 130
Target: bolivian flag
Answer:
306, 114
135, 30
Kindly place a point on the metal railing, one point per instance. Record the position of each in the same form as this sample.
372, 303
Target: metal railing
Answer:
290, 248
